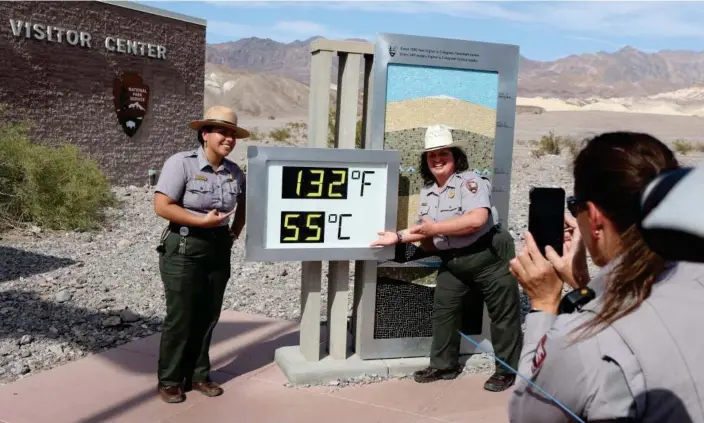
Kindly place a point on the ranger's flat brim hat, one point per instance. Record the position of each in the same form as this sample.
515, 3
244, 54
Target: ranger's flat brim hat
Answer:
438, 137
223, 117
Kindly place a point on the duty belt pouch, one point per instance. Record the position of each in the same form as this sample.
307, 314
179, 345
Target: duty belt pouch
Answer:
165, 233
406, 252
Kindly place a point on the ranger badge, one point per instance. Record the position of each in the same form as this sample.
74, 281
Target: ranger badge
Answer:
540, 354
472, 186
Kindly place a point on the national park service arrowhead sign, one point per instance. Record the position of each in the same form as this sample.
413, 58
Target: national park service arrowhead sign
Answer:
131, 96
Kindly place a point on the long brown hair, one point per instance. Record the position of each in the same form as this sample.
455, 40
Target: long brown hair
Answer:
612, 171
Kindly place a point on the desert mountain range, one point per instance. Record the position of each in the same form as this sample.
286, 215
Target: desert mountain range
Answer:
262, 77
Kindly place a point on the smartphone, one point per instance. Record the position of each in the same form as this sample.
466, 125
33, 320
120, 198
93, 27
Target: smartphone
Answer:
546, 217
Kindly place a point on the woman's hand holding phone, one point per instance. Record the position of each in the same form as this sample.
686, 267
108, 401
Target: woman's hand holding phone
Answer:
569, 266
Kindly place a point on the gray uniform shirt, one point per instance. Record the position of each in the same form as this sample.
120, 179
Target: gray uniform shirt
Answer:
462, 193
600, 377
189, 179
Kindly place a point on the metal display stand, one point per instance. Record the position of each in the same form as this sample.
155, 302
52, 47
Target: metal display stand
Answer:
351, 348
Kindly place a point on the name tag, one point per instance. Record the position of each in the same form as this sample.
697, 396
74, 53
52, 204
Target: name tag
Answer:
200, 177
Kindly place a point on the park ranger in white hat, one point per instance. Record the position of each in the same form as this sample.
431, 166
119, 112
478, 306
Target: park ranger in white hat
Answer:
457, 222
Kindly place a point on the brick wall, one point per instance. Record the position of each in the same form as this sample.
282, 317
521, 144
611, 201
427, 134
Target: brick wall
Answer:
67, 90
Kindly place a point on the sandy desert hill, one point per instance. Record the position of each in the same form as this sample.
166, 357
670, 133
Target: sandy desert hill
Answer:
683, 102
456, 113
626, 72
262, 77
255, 93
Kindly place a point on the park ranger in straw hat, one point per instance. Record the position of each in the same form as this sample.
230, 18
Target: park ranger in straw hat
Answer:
197, 192
457, 222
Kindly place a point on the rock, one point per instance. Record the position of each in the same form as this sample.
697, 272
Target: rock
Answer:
26, 339
56, 350
128, 316
8, 349
62, 296
112, 321
21, 369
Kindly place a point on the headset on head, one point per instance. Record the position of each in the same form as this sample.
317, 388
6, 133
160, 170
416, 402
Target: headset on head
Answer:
672, 215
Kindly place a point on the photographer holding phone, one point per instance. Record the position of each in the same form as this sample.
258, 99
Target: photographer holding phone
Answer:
630, 353
197, 192
457, 222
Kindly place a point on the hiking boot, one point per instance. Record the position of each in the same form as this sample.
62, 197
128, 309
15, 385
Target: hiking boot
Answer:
171, 394
431, 375
207, 388
499, 382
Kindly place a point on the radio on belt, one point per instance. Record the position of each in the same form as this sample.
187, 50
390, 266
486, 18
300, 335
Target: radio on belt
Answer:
318, 204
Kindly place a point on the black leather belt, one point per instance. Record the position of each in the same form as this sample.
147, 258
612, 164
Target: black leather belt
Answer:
197, 232
482, 243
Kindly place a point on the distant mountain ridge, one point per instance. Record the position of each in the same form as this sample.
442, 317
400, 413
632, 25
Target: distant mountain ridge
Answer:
627, 72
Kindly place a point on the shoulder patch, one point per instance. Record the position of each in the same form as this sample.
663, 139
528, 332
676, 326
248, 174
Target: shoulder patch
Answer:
472, 186
540, 354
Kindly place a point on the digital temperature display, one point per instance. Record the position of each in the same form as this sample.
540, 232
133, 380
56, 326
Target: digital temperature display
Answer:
319, 204
314, 182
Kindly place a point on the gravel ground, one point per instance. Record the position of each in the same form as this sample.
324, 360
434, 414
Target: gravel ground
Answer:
64, 295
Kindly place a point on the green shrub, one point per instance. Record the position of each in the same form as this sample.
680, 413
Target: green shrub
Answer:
683, 146
52, 187
280, 135
254, 134
554, 144
331, 130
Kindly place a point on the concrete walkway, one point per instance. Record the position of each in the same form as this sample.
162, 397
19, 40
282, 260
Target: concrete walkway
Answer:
119, 386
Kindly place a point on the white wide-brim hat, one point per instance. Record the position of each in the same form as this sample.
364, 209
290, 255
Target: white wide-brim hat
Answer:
437, 137
223, 117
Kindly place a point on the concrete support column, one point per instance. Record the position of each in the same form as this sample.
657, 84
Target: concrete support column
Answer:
365, 270
311, 272
345, 134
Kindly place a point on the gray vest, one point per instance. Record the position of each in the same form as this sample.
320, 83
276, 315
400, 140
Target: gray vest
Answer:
666, 334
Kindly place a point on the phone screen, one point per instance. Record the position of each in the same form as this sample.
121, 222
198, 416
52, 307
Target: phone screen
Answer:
546, 217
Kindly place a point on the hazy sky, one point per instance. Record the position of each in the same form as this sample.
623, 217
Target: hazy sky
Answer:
544, 30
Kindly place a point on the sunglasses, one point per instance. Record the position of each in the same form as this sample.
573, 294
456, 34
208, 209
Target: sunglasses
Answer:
574, 205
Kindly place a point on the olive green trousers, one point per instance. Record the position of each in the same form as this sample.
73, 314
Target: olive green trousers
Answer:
480, 270
195, 271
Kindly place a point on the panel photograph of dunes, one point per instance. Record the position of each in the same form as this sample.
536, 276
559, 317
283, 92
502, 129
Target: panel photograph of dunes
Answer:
420, 96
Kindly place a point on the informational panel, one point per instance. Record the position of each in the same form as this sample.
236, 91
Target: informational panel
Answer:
418, 82
317, 204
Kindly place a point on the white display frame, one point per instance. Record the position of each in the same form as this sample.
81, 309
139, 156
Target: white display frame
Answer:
259, 206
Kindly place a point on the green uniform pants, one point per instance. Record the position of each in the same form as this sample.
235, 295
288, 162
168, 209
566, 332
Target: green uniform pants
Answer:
481, 269
195, 270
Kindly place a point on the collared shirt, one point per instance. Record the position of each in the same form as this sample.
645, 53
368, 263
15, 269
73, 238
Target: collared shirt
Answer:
190, 180
599, 377
462, 193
